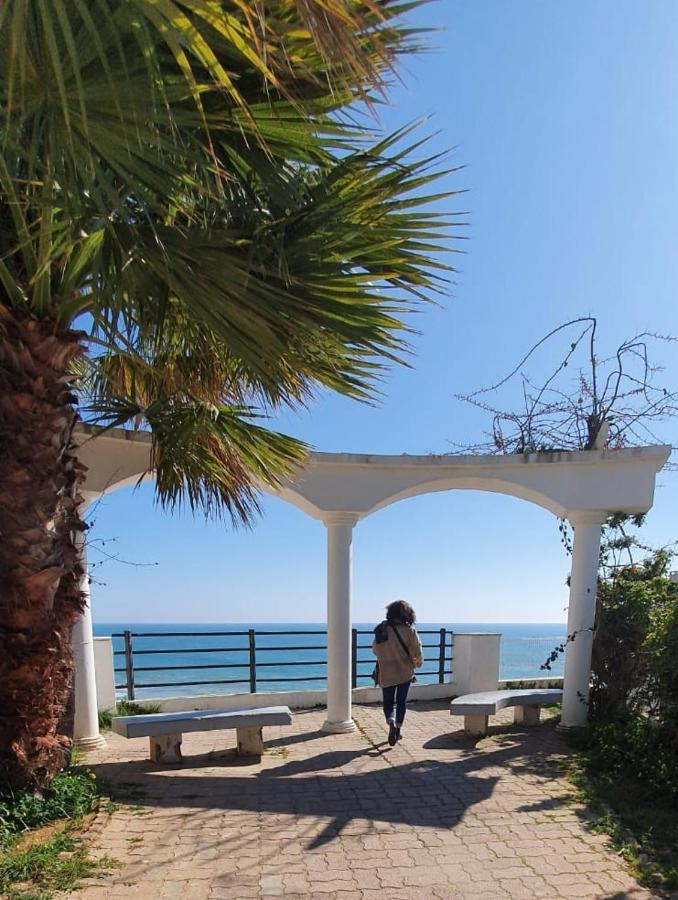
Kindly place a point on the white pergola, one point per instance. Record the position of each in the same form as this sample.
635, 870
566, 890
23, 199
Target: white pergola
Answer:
341, 489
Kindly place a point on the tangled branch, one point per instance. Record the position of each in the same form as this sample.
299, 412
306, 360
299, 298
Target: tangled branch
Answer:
612, 402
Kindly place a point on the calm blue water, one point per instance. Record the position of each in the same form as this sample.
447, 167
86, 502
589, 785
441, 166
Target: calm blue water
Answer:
219, 663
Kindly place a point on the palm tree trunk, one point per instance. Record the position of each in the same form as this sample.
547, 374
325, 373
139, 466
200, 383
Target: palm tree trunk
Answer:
40, 567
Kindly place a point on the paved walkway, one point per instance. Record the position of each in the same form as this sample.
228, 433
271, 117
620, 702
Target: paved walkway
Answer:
345, 816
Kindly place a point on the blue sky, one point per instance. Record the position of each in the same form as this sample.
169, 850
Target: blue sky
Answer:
565, 117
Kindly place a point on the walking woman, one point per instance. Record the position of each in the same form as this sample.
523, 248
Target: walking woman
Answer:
398, 650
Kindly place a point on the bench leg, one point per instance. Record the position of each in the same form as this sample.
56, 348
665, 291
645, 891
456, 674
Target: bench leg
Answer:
250, 741
527, 715
166, 748
475, 724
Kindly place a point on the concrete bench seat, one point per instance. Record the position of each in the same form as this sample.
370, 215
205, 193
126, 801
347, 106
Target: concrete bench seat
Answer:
475, 708
165, 730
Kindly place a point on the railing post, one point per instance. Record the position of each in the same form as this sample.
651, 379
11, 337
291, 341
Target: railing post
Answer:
129, 664
354, 657
253, 662
441, 657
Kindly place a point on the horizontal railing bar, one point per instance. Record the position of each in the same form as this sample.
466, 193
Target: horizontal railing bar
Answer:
244, 665
307, 647
138, 651
141, 651
256, 631
244, 634
312, 662
186, 683
426, 631
292, 678
423, 647
162, 634
372, 662
266, 631
418, 672
309, 662
369, 647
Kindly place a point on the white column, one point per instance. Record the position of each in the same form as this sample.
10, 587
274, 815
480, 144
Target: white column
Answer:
339, 536
86, 727
104, 673
581, 616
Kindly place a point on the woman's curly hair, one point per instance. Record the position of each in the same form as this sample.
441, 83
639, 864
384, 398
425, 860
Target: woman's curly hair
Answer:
400, 612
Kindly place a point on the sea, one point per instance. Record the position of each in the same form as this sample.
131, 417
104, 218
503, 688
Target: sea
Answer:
186, 660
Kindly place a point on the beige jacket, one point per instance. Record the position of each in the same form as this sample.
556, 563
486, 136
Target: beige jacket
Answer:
394, 666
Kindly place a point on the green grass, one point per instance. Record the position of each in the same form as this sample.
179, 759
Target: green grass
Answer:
526, 684
126, 708
641, 820
57, 864
72, 794
34, 871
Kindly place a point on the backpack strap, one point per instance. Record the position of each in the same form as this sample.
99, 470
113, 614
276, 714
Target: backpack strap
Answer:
401, 641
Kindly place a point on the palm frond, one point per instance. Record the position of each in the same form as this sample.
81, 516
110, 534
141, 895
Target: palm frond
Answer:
315, 280
145, 88
177, 177
215, 459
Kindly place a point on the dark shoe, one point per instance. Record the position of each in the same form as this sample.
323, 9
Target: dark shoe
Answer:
392, 734
398, 734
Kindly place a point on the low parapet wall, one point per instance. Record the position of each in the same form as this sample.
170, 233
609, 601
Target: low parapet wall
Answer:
293, 699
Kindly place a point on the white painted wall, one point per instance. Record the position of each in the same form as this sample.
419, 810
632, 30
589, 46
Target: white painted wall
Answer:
103, 673
475, 662
293, 699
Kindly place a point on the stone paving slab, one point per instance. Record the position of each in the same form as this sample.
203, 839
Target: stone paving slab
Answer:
323, 816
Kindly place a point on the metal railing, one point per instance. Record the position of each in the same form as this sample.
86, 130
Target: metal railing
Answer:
442, 660
248, 660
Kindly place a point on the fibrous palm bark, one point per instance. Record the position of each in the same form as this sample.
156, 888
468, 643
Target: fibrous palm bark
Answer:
40, 570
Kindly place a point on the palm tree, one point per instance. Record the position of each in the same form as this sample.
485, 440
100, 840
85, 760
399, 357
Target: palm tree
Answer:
193, 232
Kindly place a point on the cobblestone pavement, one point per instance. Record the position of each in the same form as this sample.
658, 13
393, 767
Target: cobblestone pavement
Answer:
346, 816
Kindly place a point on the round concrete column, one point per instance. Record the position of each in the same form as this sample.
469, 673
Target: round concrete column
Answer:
581, 616
86, 726
339, 537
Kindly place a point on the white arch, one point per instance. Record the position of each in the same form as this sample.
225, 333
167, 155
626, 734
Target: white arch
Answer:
341, 488
494, 486
358, 485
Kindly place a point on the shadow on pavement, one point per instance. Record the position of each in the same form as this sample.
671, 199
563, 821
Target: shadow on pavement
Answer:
342, 785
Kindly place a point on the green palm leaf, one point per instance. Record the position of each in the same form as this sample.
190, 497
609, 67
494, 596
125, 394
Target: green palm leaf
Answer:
178, 180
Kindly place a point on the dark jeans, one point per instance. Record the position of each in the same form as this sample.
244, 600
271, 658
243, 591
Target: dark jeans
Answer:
396, 695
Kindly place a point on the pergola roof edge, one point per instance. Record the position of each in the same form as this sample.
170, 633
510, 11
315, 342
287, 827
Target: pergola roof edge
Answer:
359, 484
658, 452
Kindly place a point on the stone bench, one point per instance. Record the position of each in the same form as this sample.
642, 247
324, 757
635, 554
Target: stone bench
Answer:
475, 708
165, 730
